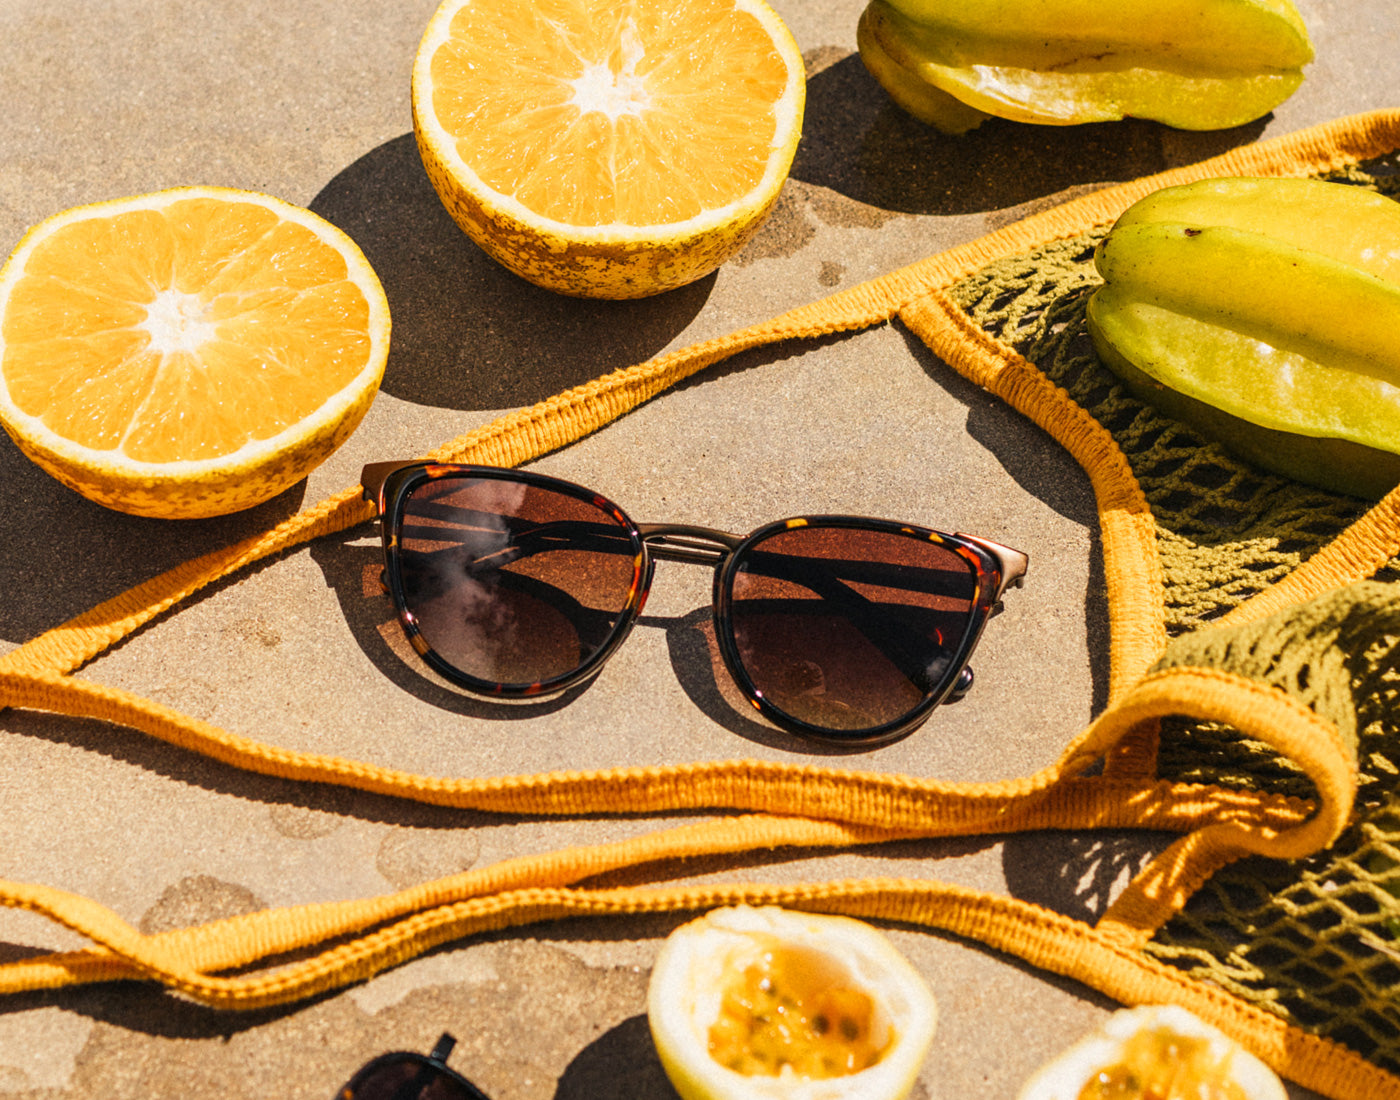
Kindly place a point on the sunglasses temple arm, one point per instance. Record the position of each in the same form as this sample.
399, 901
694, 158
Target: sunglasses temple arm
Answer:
1013, 563
438, 1057
1011, 571
907, 578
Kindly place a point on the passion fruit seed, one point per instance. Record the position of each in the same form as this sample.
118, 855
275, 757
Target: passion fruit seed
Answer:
773, 1015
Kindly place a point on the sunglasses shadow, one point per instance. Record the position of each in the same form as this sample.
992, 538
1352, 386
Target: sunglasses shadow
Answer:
621, 1064
695, 657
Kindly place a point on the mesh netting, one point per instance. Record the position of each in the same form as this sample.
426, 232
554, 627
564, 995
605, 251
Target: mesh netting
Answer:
1316, 941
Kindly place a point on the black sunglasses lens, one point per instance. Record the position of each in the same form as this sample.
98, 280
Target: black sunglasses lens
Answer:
403, 1077
513, 583
849, 629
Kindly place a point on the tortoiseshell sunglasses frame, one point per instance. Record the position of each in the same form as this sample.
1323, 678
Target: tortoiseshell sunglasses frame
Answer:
995, 568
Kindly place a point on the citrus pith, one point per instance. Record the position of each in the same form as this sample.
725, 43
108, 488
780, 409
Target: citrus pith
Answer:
608, 150
187, 353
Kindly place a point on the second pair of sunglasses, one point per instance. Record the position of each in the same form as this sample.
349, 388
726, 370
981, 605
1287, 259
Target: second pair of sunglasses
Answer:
405, 1075
512, 584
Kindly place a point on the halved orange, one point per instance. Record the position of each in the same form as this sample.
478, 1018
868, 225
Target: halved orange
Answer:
608, 149
187, 353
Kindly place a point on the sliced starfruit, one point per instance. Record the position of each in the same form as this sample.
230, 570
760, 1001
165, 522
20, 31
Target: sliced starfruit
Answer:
1191, 64
1266, 314
926, 102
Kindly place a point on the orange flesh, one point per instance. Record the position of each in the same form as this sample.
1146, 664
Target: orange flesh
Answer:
783, 1010
183, 332
591, 112
1159, 1064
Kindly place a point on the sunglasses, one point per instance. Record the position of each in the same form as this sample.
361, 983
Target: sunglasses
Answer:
405, 1076
513, 585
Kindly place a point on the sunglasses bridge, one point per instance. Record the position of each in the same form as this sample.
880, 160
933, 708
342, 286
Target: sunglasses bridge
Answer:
686, 542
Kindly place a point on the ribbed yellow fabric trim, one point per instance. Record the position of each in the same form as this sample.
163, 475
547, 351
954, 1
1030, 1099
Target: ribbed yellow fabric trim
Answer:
247, 939
1137, 618
791, 805
1046, 939
1256, 710
889, 801
1356, 554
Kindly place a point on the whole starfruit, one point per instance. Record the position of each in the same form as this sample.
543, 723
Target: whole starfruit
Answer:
1266, 314
1192, 64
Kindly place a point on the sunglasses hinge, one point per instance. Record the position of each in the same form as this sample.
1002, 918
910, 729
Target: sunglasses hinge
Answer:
1013, 563
375, 474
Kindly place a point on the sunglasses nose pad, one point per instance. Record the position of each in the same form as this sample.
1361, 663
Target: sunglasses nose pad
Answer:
963, 686
383, 583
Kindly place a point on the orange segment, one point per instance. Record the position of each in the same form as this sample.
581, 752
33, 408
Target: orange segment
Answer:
643, 129
167, 354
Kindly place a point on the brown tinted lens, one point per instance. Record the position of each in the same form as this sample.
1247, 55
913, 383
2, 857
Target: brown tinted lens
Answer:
404, 1079
512, 583
849, 629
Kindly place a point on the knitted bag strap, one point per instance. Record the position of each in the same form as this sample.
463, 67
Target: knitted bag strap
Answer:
792, 805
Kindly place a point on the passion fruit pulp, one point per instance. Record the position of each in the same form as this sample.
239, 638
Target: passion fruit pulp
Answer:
791, 1009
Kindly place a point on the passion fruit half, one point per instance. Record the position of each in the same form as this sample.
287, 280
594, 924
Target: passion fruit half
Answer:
771, 1004
1155, 1052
